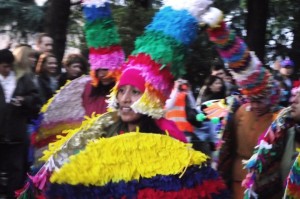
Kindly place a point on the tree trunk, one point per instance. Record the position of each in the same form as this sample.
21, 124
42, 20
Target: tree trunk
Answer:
56, 25
256, 26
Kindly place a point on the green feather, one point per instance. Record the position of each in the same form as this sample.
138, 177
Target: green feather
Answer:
101, 33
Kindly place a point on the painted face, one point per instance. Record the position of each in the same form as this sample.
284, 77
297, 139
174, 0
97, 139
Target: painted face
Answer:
101, 74
50, 65
216, 86
295, 112
5, 69
260, 106
74, 70
46, 44
126, 96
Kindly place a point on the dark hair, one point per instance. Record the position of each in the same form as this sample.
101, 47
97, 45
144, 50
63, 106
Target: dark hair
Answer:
76, 58
101, 90
6, 56
217, 66
208, 93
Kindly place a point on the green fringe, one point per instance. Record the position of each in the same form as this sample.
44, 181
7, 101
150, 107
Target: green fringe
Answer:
101, 33
162, 49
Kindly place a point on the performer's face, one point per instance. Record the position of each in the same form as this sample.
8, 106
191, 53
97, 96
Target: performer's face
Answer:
126, 96
295, 112
259, 106
102, 74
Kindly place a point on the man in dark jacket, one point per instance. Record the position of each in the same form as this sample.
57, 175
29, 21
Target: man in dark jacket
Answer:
19, 101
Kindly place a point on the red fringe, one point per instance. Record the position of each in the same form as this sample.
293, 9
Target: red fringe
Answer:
106, 50
294, 190
203, 191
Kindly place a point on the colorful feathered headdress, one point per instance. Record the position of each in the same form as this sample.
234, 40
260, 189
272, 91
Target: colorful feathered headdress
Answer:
159, 55
254, 80
102, 38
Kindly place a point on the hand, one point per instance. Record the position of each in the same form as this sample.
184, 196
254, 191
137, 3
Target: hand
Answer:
177, 84
17, 101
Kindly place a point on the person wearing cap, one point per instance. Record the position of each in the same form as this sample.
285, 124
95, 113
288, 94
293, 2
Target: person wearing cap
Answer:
286, 81
286, 70
132, 151
254, 124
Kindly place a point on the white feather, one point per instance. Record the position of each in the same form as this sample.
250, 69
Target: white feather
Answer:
213, 17
195, 7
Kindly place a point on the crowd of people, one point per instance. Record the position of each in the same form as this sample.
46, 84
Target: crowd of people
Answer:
145, 113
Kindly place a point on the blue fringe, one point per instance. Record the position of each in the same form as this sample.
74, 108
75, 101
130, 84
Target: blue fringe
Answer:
93, 13
192, 177
177, 24
35, 124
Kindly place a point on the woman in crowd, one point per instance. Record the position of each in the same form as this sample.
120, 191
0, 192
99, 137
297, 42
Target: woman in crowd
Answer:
214, 88
46, 70
25, 58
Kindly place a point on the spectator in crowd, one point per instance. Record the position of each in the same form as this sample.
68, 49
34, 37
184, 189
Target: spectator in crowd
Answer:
218, 70
285, 93
25, 58
175, 105
25, 61
285, 80
214, 88
286, 71
46, 69
75, 66
18, 101
230, 84
44, 43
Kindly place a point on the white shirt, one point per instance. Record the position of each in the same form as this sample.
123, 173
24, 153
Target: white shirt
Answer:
8, 84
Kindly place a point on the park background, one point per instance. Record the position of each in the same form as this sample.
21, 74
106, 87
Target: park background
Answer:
271, 28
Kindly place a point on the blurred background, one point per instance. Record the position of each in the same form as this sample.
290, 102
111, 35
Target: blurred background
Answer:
270, 27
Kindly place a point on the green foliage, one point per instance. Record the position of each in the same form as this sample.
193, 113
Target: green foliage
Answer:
131, 21
9, 11
22, 15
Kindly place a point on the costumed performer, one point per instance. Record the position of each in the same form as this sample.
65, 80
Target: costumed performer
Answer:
293, 181
101, 159
259, 121
85, 95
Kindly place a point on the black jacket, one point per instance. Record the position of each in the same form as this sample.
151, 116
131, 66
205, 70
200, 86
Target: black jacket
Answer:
14, 119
